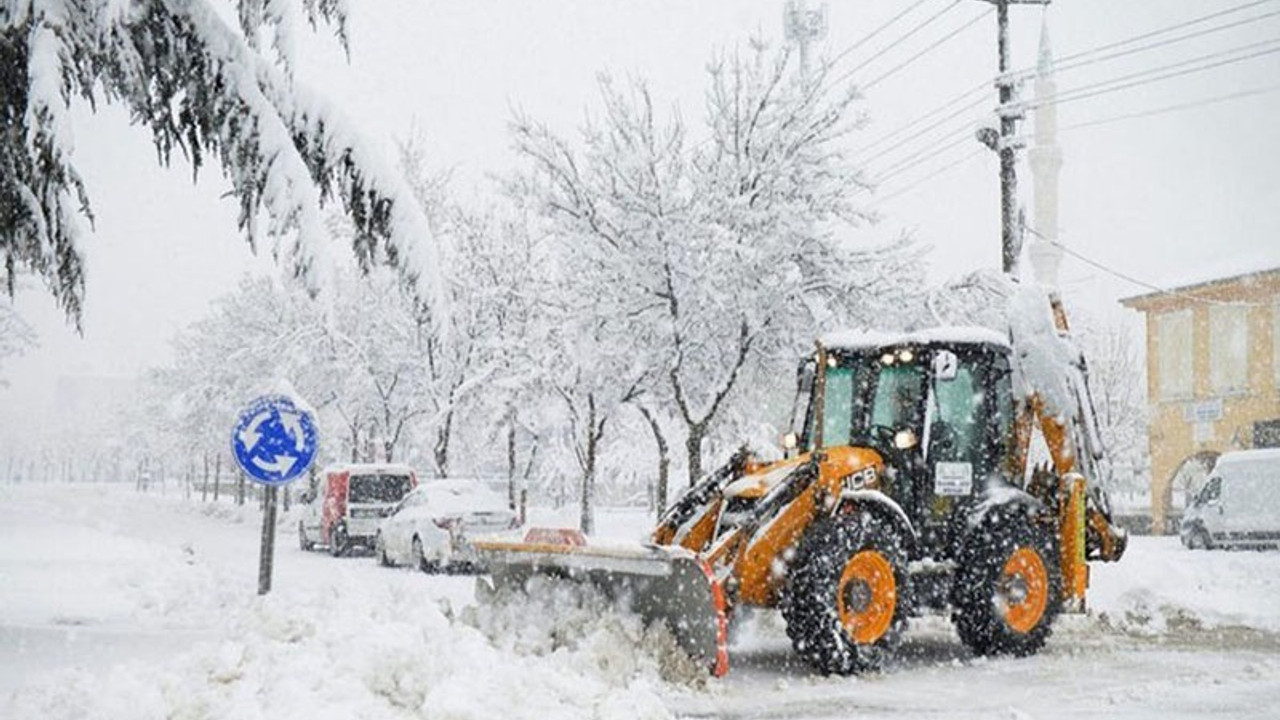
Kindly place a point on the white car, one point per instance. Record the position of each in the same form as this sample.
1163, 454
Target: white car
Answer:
1239, 506
432, 526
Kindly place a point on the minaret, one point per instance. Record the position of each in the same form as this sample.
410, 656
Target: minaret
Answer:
1046, 162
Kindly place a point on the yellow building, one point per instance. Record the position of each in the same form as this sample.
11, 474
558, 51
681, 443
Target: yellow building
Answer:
1213, 374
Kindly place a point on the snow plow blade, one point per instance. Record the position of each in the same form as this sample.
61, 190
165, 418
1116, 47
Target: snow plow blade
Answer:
668, 585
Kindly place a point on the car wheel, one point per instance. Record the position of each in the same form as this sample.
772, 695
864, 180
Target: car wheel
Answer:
338, 541
421, 556
1199, 540
303, 542
380, 547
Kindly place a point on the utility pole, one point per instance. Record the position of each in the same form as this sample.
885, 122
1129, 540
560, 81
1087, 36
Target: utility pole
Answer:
1006, 145
802, 26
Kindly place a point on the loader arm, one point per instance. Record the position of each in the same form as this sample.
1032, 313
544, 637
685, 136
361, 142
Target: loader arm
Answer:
1062, 408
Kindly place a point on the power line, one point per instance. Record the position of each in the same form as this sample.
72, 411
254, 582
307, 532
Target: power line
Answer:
1162, 31
903, 128
900, 66
939, 171
925, 130
943, 144
875, 32
1091, 123
1163, 43
1110, 86
1131, 279
919, 26
1174, 108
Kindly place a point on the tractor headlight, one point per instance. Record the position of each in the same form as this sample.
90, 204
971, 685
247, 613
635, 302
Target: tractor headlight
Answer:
864, 479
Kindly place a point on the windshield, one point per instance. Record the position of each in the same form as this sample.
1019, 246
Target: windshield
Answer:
860, 394
377, 488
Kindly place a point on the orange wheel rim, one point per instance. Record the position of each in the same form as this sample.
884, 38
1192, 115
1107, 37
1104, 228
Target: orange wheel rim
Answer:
867, 596
1024, 590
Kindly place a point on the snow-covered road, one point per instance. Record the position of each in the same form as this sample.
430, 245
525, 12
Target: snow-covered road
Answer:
120, 605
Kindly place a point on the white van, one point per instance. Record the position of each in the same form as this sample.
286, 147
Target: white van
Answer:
1239, 506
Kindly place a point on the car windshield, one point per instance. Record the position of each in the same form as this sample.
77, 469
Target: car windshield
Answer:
377, 488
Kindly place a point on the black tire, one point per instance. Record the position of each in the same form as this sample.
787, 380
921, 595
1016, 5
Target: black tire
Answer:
848, 579
1199, 540
303, 542
338, 543
1008, 588
418, 553
381, 549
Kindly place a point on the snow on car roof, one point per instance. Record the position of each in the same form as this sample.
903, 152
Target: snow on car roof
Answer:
862, 339
1240, 456
369, 468
461, 495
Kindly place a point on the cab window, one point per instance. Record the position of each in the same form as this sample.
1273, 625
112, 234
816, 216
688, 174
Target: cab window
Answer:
837, 407
897, 399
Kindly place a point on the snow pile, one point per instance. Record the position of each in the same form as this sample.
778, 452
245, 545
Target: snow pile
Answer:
335, 639
1161, 588
383, 650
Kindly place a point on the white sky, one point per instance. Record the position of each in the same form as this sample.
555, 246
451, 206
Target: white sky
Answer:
1170, 198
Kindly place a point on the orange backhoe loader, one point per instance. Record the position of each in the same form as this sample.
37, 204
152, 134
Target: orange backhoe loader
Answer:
905, 489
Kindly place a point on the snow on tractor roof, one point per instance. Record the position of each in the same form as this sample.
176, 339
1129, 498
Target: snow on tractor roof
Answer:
870, 339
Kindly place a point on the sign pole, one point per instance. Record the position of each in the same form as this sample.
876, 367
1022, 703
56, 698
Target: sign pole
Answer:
266, 556
274, 441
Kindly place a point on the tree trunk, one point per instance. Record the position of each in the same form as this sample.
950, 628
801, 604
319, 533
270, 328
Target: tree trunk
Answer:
693, 446
204, 481
217, 476
240, 488
664, 461
441, 449
586, 522
511, 463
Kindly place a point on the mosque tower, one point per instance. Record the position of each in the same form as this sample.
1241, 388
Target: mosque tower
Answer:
1046, 162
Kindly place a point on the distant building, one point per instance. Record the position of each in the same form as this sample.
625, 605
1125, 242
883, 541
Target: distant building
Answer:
1213, 376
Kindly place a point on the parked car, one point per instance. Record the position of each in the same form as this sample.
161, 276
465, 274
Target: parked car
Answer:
1239, 506
433, 526
349, 502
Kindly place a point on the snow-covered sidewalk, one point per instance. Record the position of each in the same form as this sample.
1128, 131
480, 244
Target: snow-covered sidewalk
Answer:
120, 605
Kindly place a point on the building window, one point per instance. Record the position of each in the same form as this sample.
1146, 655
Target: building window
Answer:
1174, 353
1228, 348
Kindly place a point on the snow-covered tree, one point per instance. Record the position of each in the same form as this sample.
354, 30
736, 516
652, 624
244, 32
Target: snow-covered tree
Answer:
1118, 384
724, 256
16, 335
211, 90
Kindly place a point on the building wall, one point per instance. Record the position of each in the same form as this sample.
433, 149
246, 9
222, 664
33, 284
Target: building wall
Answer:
1227, 417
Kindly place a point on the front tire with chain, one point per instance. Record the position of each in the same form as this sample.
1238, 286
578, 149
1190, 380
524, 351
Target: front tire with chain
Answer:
1008, 588
846, 600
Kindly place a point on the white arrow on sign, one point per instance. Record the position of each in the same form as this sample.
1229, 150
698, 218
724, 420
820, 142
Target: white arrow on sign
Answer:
249, 436
293, 426
282, 464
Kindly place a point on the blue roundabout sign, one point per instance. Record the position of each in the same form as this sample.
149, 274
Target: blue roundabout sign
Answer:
274, 440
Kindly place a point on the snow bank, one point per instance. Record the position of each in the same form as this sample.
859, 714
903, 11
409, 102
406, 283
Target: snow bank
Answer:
335, 639
1161, 587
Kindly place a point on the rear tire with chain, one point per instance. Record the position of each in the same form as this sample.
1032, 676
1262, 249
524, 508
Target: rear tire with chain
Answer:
1008, 588
846, 599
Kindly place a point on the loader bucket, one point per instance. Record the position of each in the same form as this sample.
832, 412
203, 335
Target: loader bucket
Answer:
668, 585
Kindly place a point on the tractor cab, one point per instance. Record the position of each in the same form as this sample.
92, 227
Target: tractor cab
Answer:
937, 406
